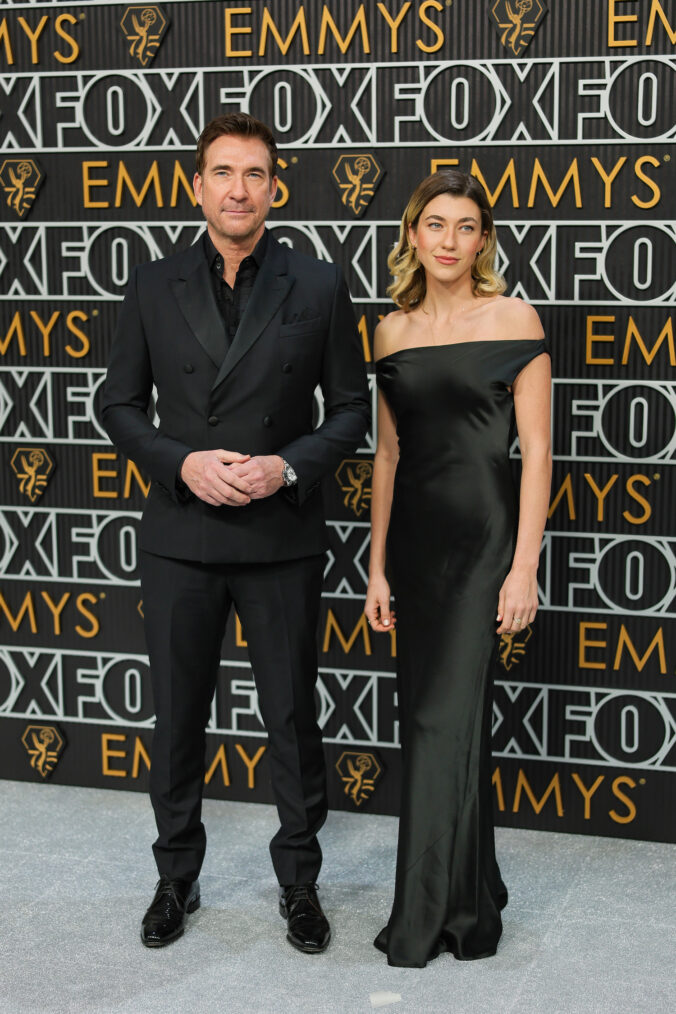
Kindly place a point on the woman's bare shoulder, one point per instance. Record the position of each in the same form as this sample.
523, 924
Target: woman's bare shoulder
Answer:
517, 318
388, 336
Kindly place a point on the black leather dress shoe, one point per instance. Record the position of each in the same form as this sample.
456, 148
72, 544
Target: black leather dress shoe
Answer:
307, 927
165, 919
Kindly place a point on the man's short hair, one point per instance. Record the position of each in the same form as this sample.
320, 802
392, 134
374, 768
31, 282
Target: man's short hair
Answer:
240, 125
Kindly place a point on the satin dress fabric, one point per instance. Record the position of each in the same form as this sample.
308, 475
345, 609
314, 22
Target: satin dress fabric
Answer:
450, 545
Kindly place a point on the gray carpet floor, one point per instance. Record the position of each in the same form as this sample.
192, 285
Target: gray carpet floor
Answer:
591, 924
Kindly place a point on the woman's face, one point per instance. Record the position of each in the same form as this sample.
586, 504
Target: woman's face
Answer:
448, 237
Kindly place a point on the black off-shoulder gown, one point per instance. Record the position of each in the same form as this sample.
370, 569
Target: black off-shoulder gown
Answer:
450, 545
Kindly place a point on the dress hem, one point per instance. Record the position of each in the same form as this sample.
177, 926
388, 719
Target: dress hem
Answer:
442, 950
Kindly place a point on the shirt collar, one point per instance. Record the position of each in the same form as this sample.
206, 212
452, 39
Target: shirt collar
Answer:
257, 254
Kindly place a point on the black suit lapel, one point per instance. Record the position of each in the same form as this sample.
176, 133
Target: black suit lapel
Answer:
195, 297
270, 289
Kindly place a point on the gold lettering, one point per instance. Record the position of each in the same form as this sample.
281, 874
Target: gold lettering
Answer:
647, 509
132, 472
74, 330
220, 760
56, 609
88, 183
140, 754
240, 642
624, 640
496, 780
394, 24
15, 328
180, 179
26, 608
522, 784
4, 37
608, 177
282, 197
34, 35
655, 12
583, 661
299, 25
250, 762
99, 473
566, 490
508, 175
614, 19
629, 803
665, 335
592, 337
587, 793
46, 330
359, 22
95, 625
361, 627
600, 494
138, 197
422, 14
363, 331
539, 176
74, 47
106, 753
438, 163
650, 183
230, 30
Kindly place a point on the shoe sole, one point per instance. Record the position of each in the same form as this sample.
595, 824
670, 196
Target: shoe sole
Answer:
192, 907
300, 947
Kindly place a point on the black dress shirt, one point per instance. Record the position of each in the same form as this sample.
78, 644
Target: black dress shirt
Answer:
232, 302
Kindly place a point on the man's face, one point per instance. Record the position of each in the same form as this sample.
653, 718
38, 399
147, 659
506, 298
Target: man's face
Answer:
236, 189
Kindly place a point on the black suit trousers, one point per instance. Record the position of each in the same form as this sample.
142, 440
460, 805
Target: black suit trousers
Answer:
186, 605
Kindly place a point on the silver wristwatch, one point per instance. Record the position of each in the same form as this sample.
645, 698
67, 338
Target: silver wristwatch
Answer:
289, 477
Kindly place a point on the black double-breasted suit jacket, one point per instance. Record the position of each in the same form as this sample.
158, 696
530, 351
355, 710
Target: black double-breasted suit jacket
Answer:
298, 332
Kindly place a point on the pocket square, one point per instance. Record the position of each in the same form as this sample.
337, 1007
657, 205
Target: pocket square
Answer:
302, 315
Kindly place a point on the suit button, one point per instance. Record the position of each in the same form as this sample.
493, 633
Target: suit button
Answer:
213, 420
188, 368
287, 368
267, 421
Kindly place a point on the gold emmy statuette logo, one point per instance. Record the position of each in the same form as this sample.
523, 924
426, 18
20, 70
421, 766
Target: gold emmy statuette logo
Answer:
44, 744
356, 178
354, 478
513, 647
359, 772
20, 179
144, 28
32, 467
517, 21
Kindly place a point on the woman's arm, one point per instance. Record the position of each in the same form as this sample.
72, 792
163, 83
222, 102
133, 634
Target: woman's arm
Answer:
518, 596
377, 606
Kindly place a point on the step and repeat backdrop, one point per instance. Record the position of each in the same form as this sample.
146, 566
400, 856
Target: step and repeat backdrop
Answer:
564, 109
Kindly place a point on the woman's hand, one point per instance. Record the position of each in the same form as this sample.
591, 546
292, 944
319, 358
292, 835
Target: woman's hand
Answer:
517, 601
377, 606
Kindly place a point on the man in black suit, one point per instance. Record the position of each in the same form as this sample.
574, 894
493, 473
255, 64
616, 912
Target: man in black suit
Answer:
235, 334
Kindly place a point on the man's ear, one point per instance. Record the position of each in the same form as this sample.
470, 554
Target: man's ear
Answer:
197, 187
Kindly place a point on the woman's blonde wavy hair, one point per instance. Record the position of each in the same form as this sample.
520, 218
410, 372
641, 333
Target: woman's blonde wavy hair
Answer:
409, 286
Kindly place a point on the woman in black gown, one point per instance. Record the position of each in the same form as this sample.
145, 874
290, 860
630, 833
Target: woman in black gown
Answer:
457, 364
